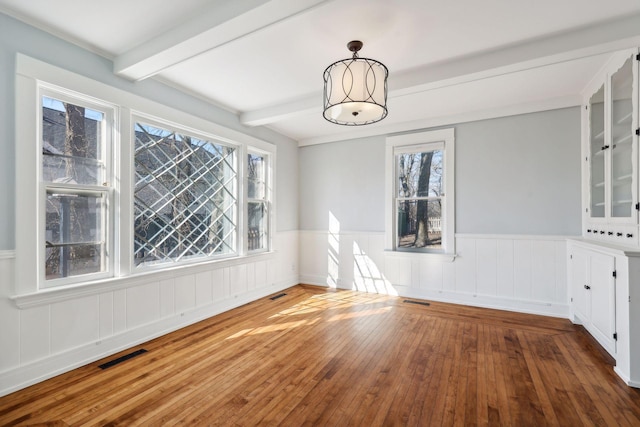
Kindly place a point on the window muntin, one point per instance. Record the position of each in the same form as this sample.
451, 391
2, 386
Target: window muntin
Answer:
185, 196
257, 202
419, 198
75, 142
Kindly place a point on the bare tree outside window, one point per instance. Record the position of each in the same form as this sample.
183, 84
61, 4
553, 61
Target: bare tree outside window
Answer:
419, 199
72, 168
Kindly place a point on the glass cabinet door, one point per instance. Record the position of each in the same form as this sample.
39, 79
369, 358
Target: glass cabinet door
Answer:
621, 141
597, 151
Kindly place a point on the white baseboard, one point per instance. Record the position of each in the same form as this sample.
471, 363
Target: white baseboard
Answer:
628, 381
49, 367
488, 301
484, 301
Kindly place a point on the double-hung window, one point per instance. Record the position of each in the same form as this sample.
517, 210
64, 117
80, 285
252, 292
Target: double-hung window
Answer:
257, 201
420, 188
77, 186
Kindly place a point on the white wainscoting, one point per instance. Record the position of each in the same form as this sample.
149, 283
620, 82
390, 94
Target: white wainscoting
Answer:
518, 273
44, 340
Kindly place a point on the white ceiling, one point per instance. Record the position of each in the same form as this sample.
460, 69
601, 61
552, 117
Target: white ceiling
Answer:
263, 59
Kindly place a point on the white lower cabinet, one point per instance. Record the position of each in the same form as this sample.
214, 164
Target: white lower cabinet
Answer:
604, 286
593, 290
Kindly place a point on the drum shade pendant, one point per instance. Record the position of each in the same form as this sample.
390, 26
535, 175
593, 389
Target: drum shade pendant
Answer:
355, 90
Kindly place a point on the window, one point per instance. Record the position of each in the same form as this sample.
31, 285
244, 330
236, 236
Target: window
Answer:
184, 198
120, 186
419, 197
420, 185
257, 202
76, 179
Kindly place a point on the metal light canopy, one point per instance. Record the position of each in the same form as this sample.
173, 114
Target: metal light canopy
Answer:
355, 90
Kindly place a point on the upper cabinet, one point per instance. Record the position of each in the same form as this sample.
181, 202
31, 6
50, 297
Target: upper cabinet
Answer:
610, 152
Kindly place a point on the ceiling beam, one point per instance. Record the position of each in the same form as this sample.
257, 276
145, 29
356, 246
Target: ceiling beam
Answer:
381, 129
580, 43
220, 23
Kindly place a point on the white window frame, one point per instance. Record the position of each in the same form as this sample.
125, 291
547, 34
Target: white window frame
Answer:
411, 143
268, 177
107, 190
138, 117
29, 287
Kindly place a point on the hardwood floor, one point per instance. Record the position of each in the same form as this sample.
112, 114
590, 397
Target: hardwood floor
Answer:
322, 357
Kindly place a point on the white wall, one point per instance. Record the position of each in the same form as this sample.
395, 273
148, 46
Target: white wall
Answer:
517, 199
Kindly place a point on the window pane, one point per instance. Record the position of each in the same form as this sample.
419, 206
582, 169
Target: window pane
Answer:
596, 123
73, 218
71, 143
73, 230
420, 174
419, 224
257, 223
256, 177
73, 260
184, 198
621, 138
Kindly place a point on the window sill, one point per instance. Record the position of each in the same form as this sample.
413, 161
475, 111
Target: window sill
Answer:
432, 256
63, 293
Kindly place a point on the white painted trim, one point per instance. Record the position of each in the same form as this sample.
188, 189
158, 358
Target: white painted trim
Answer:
32, 373
212, 27
55, 31
445, 137
606, 247
31, 74
580, 43
7, 254
343, 232
628, 381
378, 129
513, 236
423, 256
38, 70
52, 295
485, 301
475, 300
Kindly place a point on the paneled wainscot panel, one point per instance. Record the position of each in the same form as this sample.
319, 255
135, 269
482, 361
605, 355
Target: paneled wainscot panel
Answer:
520, 273
47, 338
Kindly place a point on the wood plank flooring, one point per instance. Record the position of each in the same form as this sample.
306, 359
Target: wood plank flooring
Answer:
339, 358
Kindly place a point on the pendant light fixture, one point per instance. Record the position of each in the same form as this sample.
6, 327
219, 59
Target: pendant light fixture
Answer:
355, 90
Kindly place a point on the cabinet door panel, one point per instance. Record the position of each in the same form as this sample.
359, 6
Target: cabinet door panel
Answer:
603, 298
579, 270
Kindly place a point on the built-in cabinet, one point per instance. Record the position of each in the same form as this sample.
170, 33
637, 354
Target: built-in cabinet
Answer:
610, 152
604, 265
593, 290
605, 298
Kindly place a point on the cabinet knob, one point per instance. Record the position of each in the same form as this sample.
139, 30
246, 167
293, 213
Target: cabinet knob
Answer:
605, 147
610, 233
629, 235
587, 287
618, 234
602, 232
